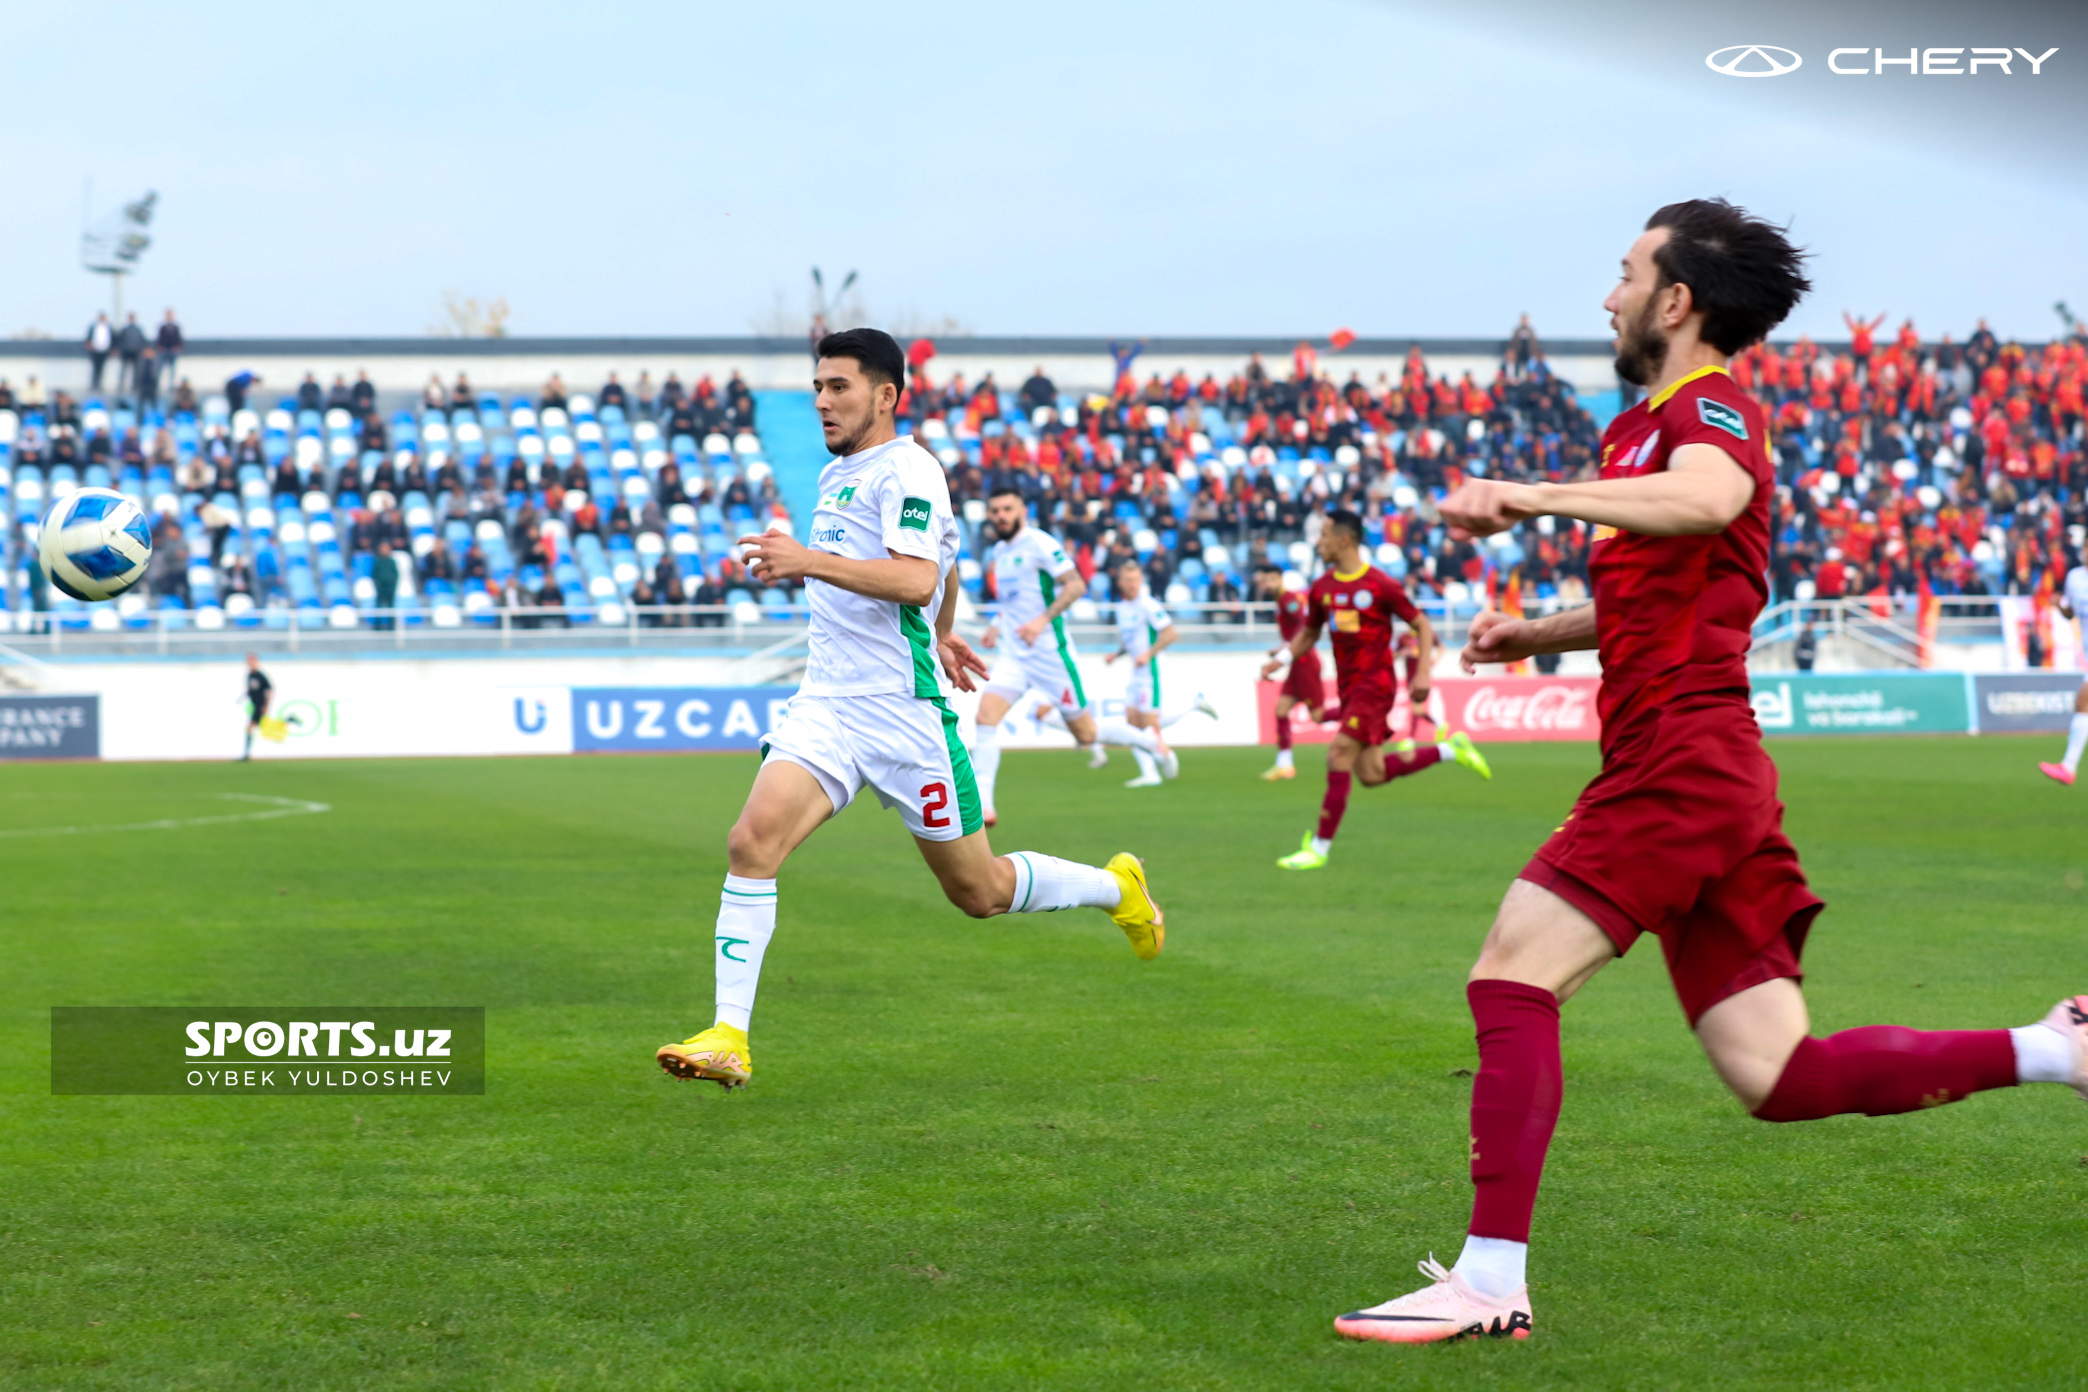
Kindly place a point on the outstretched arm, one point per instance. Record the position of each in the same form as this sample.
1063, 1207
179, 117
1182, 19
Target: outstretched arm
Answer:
1496, 637
1700, 492
1300, 644
957, 658
777, 556
1424, 658
1070, 588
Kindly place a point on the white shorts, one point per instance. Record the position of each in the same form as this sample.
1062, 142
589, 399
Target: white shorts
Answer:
905, 747
1142, 689
1047, 668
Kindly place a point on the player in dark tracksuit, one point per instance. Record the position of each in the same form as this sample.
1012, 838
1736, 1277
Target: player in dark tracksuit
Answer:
258, 690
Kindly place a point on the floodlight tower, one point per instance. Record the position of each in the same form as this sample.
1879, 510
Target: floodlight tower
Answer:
112, 245
823, 309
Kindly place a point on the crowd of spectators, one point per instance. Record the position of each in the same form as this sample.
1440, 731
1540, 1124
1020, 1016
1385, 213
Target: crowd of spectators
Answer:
407, 496
1205, 481
1902, 466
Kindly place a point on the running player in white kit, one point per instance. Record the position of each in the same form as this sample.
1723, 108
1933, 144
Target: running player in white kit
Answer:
880, 579
2073, 602
1035, 584
1144, 628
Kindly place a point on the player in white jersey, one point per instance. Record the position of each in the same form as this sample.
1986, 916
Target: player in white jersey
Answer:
1144, 628
880, 579
1035, 585
2073, 603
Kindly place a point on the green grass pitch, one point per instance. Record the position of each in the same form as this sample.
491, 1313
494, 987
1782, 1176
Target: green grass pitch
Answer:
1005, 1154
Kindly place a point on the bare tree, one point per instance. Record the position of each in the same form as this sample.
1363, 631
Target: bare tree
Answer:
464, 316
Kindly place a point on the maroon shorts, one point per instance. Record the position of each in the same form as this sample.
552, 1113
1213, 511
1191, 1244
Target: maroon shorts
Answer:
1306, 683
1681, 836
1366, 714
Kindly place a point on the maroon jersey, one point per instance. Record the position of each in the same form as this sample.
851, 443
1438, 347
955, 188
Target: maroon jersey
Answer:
1291, 607
1358, 610
1674, 614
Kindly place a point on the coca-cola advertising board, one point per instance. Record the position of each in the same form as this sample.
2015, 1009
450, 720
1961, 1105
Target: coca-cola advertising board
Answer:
1486, 708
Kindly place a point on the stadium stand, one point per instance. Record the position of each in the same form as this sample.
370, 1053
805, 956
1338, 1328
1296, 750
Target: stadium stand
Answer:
1902, 466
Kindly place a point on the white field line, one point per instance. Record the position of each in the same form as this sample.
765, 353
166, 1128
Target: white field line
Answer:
277, 807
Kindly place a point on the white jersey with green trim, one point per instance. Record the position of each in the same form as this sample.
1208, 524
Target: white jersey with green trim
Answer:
890, 498
1139, 622
1026, 568
2076, 591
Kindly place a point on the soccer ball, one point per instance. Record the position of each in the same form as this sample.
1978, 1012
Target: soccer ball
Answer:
94, 544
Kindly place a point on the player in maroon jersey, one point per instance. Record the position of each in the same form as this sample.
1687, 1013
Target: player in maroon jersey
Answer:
1680, 835
1305, 685
1360, 603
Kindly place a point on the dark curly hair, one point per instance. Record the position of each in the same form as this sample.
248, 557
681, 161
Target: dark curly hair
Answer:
1742, 272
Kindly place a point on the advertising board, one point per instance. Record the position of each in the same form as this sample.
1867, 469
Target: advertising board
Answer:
50, 727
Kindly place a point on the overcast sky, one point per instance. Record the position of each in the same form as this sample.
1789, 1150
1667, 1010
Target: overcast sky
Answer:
1169, 167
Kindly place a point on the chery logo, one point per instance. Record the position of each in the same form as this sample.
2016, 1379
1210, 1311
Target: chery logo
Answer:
1754, 60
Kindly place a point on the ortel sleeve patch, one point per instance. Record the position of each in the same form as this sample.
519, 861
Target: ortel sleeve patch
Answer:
915, 512
1725, 417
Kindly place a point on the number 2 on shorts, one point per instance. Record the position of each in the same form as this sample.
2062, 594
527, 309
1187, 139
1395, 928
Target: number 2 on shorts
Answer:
934, 798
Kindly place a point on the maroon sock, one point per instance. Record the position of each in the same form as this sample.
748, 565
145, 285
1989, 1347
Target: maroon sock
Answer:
1401, 765
1882, 1070
1283, 731
1515, 1102
1334, 804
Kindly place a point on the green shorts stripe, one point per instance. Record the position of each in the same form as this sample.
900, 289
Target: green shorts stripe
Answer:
1058, 629
969, 814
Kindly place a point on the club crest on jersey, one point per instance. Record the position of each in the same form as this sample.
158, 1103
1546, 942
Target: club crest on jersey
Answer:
1725, 417
914, 514
844, 497
1364, 599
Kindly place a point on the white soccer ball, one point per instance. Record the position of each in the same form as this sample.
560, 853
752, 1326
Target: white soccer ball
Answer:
95, 544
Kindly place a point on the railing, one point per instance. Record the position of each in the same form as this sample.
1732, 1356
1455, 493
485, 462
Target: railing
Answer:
1890, 627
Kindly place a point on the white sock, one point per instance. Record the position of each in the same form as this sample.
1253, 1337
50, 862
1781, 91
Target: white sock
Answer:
1169, 718
1322, 844
2043, 1054
1493, 1266
1046, 884
1148, 767
2076, 738
1446, 753
1123, 732
746, 922
1284, 760
985, 760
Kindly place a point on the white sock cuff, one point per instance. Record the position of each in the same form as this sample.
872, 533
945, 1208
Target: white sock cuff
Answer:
1046, 884
740, 889
2043, 1054
1025, 881
985, 734
1496, 1267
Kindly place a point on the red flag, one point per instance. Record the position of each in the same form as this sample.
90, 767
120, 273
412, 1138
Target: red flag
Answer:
1927, 615
1340, 339
919, 351
1512, 606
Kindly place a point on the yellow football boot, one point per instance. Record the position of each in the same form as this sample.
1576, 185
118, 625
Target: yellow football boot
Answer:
719, 1054
1467, 753
1137, 914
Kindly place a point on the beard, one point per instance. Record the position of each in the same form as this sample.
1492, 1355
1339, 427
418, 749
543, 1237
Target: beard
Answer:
1641, 350
852, 436
1007, 532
